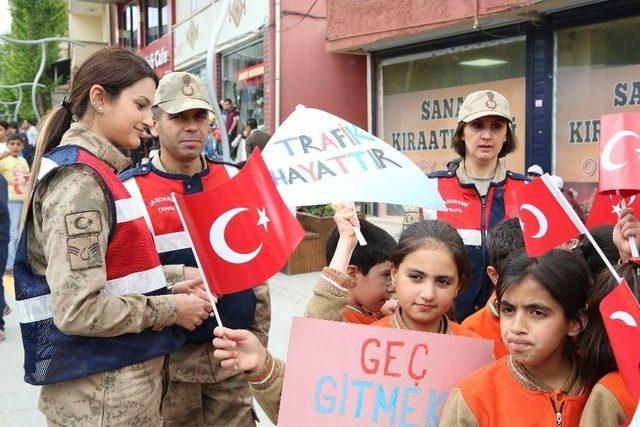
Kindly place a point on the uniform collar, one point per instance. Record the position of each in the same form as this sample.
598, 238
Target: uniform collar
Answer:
156, 161
98, 145
500, 175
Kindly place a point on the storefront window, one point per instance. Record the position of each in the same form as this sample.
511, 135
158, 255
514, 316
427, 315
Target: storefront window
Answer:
200, 71
157, 19
243, 82
129, 20
597, 73
421, 95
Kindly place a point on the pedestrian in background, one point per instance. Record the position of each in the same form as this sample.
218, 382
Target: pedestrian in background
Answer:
255, 138
15, 170
29, 128
4, 243
534, 171
232, 119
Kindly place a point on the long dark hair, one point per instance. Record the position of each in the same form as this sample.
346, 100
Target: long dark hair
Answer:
596, 355
114, 68
434, 233
564, 275
603, 235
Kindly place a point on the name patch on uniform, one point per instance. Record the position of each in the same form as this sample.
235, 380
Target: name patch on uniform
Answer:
83, 246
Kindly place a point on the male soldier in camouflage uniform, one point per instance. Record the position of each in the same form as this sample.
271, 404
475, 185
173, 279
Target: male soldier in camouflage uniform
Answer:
200, 392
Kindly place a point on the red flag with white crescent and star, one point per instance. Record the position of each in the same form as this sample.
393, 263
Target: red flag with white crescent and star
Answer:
621, 315
546, 217
605, 208
619, 166
241, 231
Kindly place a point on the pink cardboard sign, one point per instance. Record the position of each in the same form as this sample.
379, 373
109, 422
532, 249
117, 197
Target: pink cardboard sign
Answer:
341, 374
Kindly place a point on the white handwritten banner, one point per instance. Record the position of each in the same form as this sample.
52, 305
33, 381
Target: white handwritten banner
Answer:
315, 157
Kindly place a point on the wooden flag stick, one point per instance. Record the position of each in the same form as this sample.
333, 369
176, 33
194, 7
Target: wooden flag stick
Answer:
632, 239
578, 223
195, 254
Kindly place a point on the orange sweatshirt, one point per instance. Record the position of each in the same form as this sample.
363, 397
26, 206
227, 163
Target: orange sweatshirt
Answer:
330, 300
486, 323
357, 315
395, 321
609, 404
496, 396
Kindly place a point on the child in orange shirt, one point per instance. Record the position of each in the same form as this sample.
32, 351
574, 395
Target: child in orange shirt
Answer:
542, 305
610, 403
357, 282
429, 268
503, 240
353, 288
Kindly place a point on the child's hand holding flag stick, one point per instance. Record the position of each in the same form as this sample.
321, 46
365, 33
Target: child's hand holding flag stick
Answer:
620, 310
346, 215
618, 144
624, 234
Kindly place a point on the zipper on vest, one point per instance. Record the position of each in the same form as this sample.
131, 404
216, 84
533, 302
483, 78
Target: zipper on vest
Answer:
557, 411
483, 223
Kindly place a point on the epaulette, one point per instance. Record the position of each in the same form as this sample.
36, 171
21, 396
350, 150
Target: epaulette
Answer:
518, 176
238, 165
135, 171
442, 174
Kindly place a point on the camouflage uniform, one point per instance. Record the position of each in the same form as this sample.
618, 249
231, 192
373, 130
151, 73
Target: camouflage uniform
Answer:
126, 396
200, 392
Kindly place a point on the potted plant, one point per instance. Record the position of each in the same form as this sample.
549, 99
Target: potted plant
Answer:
317, 221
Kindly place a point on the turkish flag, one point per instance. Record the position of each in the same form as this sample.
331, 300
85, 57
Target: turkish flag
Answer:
605, 208
619, 168
621, 315
241, 231
546, 218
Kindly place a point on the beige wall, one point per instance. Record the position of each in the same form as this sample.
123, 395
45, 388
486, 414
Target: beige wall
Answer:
89, 28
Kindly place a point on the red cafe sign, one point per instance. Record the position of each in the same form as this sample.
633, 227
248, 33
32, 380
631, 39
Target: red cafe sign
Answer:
159, 55
251, 75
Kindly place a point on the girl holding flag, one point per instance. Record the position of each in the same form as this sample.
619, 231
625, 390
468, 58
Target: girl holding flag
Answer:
96, 314
542, 304
429, 267
610, 403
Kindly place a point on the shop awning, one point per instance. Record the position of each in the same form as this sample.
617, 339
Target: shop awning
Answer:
251, 75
